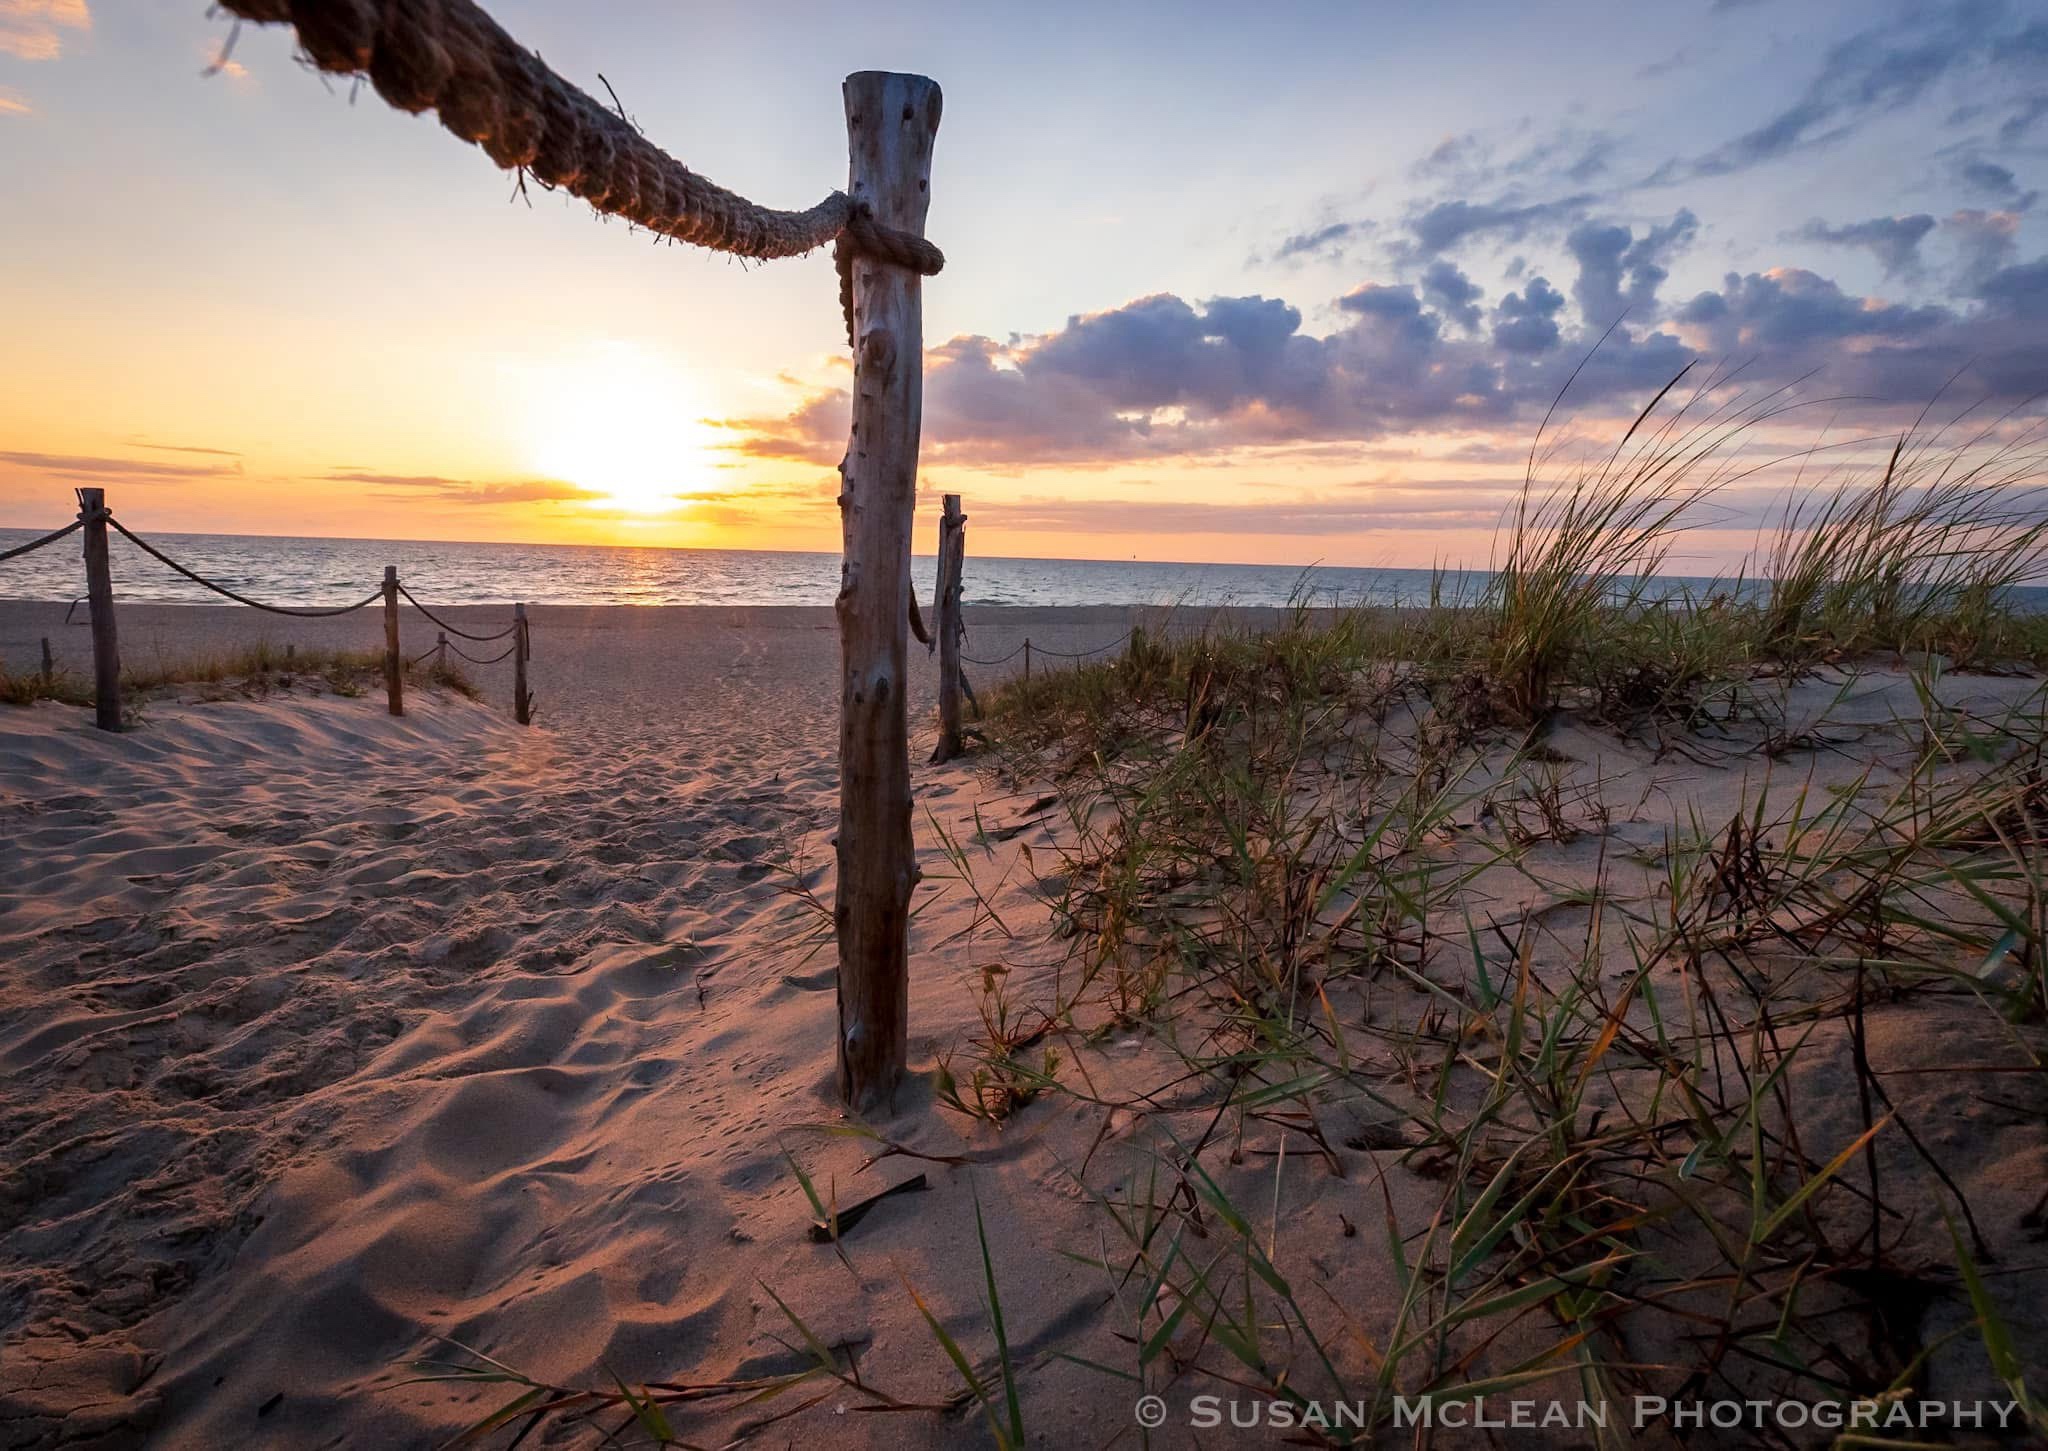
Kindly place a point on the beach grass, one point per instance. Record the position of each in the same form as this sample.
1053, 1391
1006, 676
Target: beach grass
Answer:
250, 671
1629, 1137
1271, 835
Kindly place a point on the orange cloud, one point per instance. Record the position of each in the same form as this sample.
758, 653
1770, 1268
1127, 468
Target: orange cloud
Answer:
32, 29
13, 103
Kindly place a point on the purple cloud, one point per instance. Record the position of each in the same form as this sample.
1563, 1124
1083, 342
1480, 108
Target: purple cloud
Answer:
1894, 241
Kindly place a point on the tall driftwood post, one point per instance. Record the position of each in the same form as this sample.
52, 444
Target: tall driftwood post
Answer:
99, 598
49, 662
1027, 657
394, 663
891, 121
952, 548
522, 703
441, 650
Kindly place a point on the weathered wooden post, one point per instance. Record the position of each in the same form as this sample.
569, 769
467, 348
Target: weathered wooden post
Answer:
99, 598
1027, 657
440, 651
891, 121
49, 662
394, 663
952, 541
522, 704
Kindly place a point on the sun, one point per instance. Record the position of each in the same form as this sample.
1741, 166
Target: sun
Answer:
621, 421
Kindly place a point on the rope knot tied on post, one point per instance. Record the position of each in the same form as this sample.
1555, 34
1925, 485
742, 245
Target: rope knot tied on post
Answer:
863, 236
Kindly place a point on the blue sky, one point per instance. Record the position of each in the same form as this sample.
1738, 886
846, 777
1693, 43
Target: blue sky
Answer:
1223, 282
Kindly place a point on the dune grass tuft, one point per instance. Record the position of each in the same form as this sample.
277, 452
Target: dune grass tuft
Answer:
1628, 1138
1270, 851
250, 671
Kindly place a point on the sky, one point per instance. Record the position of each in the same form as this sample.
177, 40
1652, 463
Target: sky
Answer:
1285, 283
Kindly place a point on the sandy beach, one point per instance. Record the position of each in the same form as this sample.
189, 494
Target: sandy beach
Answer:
663, 672
329, 1035
1468, 869
333, 1042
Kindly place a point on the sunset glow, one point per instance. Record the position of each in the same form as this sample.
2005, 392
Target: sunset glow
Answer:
1324, 329
1349, 741
622, 422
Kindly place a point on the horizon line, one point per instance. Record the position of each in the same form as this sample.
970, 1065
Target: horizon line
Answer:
743, 549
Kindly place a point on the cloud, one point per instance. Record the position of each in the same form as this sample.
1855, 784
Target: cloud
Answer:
1443, 504
1397, 309
1452, 293
136, 442
34, 29
1433, 228
1894, 241
464, 491
1676, 60
13, 103
1467, 162
1878, 71
1607, 254
1327, 240
2021, 121
1164, 377
1987, 242
1997, 182
1526, 321
2020, 292
93, 468
1794, 322
1445, 225
1790, 307
1161, 376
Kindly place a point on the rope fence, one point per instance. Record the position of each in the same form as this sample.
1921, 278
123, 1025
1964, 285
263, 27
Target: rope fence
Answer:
456, 629
51, 538
96, 516
1027, 646
304, 613
457, 649
96, 519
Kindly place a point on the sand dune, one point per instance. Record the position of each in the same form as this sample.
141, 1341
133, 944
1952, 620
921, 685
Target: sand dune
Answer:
327, 1034
328, 1039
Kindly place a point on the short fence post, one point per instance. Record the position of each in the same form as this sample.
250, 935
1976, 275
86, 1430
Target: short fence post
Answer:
49, 662
99, 595
1027, 657
441, 650
952, 539
891, 121
394, 663
522, 704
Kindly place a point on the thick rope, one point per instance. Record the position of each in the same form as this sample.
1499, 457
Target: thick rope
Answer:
220, 589
51, 538
456, 629
449, 57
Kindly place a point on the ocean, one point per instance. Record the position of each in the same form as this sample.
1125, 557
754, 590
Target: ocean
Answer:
290, 571
284, 570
